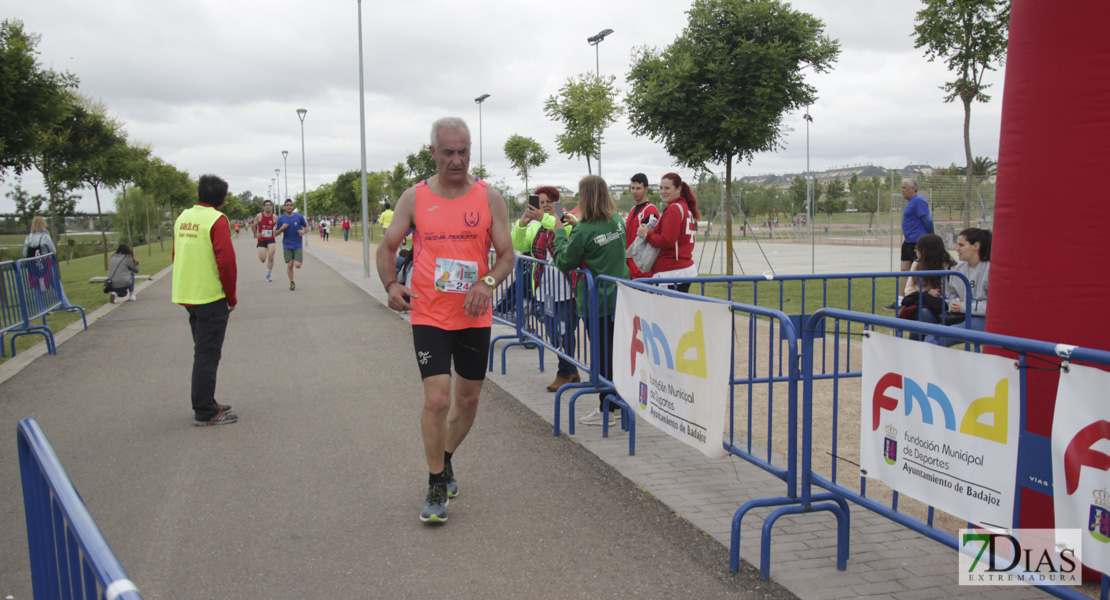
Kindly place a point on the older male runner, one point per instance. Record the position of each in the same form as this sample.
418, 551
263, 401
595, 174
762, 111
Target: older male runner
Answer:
455, 219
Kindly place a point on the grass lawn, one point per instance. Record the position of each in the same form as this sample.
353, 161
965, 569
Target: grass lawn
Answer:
90, 296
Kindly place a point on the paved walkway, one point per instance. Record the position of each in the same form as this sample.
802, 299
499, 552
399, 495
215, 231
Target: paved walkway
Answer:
315, 492
316, 489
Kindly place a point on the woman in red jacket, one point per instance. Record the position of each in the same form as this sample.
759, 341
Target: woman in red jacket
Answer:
674, 234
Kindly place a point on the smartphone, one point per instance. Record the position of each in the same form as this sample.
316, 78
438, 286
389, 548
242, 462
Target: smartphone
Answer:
558, 206
534, 200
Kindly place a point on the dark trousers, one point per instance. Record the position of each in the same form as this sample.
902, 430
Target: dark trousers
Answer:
561, 328
208, 323
606, 328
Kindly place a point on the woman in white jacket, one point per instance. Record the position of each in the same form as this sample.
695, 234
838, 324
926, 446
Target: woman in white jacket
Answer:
38, 241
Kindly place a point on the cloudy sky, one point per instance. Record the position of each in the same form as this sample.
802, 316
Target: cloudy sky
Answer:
213, 86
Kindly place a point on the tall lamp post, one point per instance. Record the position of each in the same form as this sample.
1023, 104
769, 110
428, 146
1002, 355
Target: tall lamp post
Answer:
277, 176
301, 112
594, 41
479, 100
285, 165
362, 142
809, 198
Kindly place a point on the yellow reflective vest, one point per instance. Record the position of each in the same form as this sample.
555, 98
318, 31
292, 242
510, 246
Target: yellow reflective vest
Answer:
196, 278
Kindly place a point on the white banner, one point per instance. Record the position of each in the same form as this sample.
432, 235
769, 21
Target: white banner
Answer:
941, 425
1080, 460
670, 363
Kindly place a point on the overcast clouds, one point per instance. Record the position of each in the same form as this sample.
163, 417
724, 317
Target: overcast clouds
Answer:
213, 86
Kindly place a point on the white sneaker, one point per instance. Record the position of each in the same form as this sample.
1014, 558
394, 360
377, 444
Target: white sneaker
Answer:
595, 418
132, 297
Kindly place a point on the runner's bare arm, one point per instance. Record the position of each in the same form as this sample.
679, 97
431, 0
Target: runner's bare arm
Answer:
479, 298
387, 251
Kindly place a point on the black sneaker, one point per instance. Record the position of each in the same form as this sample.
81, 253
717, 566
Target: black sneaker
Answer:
292, 286
224, 407
221, 418
452, 484
891, 306
435, 506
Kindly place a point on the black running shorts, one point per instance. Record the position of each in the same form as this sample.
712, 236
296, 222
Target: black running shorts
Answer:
264, 243
908, 251
435, 348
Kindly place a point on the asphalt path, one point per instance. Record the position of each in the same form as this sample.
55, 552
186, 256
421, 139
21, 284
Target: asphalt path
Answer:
316, 491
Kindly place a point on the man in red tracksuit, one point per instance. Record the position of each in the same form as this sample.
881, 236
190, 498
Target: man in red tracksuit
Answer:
640, 214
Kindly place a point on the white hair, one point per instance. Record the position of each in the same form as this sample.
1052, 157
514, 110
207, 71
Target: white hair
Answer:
911, 181
448, 123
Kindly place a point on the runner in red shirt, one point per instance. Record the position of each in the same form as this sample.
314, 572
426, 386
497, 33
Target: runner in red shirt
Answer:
263, 228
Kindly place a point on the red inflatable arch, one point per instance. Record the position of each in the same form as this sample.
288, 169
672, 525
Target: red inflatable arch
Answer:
1050, 261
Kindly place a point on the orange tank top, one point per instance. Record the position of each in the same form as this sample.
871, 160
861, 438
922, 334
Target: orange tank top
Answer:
451, 243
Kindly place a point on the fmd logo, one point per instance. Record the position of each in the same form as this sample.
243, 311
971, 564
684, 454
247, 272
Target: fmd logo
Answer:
646, 334
916, 398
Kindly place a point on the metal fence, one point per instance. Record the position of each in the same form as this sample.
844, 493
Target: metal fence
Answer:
69, 556
828, 430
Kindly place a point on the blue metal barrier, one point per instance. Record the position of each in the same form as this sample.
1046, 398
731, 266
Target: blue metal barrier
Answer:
1034, 451
38, 287
69, 556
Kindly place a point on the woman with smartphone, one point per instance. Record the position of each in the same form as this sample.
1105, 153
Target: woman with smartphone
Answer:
551, 288
596, 243
674, 235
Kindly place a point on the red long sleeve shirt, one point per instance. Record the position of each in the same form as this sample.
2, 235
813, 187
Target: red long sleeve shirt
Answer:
225, 257
674, 236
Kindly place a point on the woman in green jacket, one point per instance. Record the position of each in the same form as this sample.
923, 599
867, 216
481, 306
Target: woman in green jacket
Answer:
596, 243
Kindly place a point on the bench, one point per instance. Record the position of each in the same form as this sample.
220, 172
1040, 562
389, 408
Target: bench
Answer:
105, 278
31, 289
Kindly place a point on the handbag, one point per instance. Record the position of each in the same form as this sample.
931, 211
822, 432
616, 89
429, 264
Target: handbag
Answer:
643, 254
108, 287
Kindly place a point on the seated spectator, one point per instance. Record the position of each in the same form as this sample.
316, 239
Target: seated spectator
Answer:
928, 291
121, 270
973, 248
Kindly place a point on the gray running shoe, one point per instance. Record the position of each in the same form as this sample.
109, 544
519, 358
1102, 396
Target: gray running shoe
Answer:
452, 483
435, 506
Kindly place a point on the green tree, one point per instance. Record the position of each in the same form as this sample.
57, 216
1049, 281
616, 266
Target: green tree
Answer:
58, 148
26, 205
865, 196
720, 90
346, 195
396, 183
419, 165
586, 105
799, 195
834, 190
33, 100
480, 171
832, 205
103, 157
970, 36
524, 153
171, 190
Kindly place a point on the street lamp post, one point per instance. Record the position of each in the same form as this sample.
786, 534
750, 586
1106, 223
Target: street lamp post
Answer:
365, 219
809, 198
595, 41
285, 165
277, 175
301, 112
479, 100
